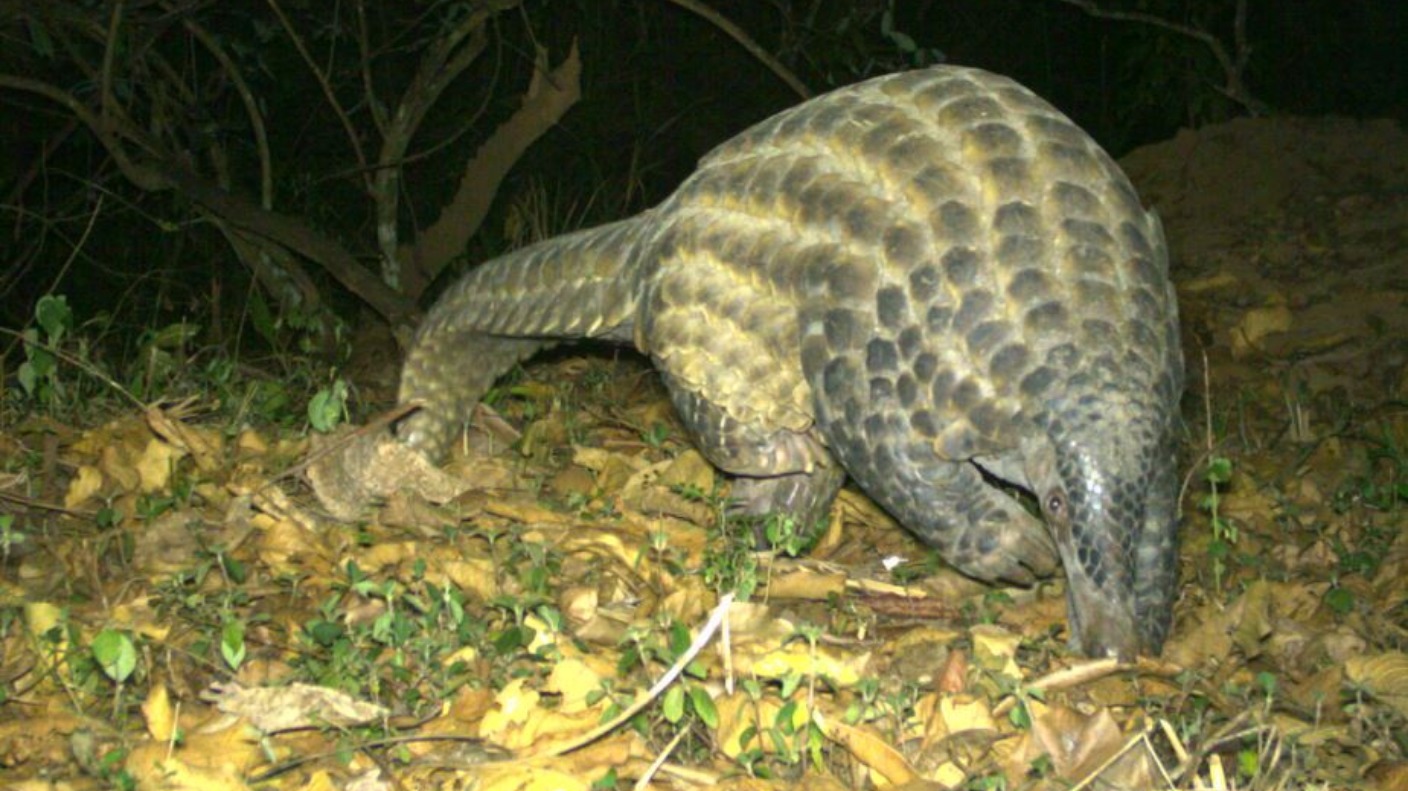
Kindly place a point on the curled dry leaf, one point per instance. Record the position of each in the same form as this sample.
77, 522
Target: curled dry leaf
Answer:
274, 709
1384, 676
868, 748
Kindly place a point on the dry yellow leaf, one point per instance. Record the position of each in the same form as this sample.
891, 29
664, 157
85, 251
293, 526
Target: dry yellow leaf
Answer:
320, 780
1256, 324
474, 576
868, 748
740, 716
512, 707
41, 616
153, 768
84, 485
841, 668
159, 714
961, 714
251, 442
574, 681
995, 649
155, 465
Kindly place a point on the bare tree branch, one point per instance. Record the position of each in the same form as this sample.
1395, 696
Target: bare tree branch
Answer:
1232, 67
548, 98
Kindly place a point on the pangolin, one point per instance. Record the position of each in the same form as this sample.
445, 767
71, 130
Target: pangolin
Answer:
933, 282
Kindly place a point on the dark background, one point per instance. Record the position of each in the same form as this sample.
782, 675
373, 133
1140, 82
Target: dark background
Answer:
661, 86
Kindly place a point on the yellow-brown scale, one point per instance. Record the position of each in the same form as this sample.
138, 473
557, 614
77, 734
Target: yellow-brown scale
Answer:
931, 281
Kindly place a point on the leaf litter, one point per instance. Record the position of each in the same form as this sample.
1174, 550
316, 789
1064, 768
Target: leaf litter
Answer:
533, 614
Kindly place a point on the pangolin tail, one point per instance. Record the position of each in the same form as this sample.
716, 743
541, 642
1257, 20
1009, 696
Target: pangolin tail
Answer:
581, 285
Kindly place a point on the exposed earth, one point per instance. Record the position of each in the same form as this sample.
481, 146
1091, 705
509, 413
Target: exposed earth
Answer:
558, 588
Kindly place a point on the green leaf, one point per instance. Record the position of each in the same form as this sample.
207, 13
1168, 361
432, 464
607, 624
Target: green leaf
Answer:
115, 653
1219, 470
328, 407
39, 38
1339, 600
232, 647
673, 704
54, 315
703, 706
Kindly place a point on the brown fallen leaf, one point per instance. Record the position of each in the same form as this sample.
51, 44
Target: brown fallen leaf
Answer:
868, 748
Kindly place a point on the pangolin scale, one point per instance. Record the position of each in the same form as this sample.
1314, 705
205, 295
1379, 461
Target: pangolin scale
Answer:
932, 281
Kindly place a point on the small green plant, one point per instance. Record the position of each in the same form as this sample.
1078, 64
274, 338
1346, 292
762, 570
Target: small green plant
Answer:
327, 409
656, 435
1218, 474
11, 539
116, 655
731, 564
39, 374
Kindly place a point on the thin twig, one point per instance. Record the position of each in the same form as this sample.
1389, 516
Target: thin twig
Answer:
737, 34
322, 79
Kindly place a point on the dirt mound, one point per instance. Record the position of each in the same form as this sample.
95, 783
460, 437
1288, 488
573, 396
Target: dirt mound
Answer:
1289, 239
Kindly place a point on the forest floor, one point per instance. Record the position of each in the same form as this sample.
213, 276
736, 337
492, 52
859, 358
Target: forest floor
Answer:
176, 610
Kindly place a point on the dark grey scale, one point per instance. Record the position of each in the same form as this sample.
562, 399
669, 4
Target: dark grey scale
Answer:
938, 319
924, 422
824, 201
1049, 319
827, 117
968, 110
1055, 130
881, 389
1089, 291
1008, 364
799, 178
961, 266
935, 180
995, 139
906, 389
957, 225
1075, 162
1087, 234
867, 219
1029, 286
1011, 175
966, 396
881, 356
977, 306
1018, 219
877, 141
926, 364
892, 308
839, 378
943, 386
983, 339
1143, 337
1099, 331
1074, 201
900, 147
1014, 252
924, 283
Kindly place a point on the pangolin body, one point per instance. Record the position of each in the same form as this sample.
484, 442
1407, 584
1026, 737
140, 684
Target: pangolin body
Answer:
932, 281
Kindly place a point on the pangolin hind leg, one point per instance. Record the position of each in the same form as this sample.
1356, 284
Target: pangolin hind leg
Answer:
778, 471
